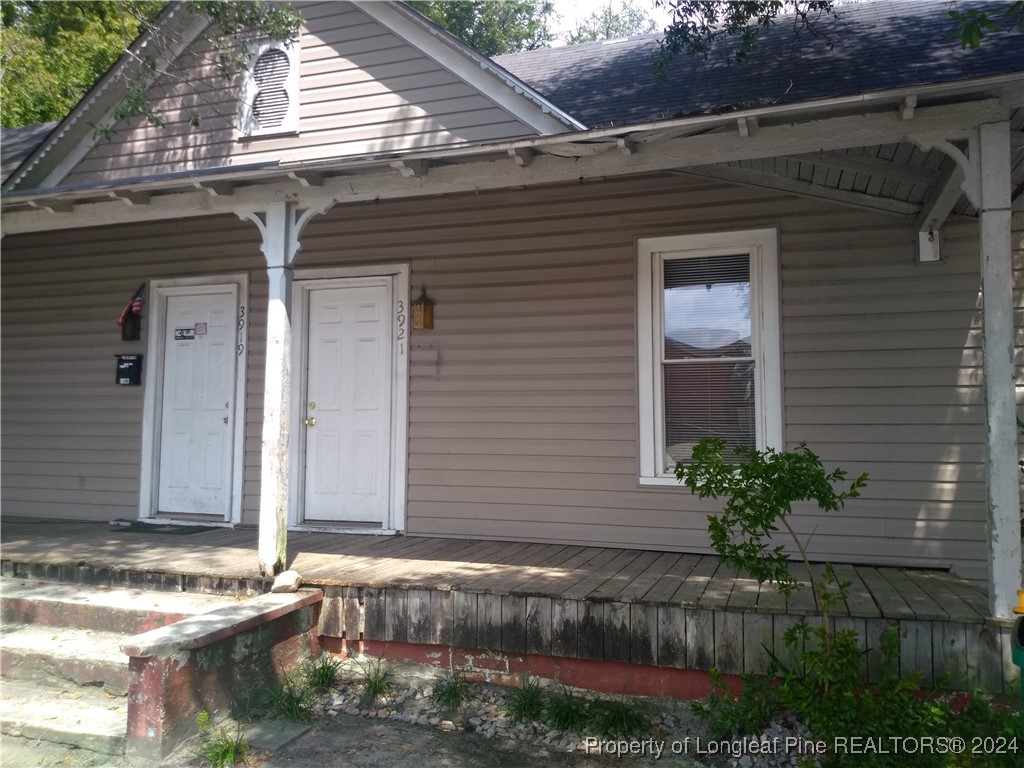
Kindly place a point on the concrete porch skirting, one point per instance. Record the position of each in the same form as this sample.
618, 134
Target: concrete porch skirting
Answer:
206, 661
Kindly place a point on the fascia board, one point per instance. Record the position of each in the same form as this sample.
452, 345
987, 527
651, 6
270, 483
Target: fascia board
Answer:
499, 85
374, 180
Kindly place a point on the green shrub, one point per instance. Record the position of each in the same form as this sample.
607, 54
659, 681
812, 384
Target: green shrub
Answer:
376, 681
322, 672
567, 712
619, 717
760, 488
290, 701
748, 713
525, 703
818, 679
451, 692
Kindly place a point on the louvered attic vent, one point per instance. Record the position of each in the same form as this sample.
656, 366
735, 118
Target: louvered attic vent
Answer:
270, 107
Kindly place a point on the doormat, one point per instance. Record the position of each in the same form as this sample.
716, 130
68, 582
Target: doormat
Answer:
133, 526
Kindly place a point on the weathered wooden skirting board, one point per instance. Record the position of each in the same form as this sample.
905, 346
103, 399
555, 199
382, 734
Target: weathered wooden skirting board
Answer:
953, 654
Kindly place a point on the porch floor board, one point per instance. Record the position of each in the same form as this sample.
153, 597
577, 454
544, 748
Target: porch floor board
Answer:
518, 569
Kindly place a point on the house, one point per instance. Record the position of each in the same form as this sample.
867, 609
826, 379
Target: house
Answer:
822, 245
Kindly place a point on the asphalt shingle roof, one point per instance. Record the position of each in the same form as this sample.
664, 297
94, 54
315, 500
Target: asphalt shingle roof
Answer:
865, 47
17, 143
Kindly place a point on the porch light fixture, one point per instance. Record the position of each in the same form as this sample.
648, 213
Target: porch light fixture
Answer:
423, 313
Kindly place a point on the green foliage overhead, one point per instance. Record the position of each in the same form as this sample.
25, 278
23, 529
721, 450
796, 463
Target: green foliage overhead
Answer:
697, 24
613, 20
492, 28
972, 24
52, 53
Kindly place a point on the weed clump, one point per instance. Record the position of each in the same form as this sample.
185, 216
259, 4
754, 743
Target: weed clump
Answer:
451, 692
219, 747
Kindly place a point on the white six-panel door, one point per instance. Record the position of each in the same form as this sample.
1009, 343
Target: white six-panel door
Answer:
347, 410
197, 408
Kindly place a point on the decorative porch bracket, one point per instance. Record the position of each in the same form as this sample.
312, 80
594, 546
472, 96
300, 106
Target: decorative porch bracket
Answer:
280, 225
986, 182
961, 178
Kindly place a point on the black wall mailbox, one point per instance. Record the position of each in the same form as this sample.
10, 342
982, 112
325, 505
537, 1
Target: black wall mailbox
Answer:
129, 369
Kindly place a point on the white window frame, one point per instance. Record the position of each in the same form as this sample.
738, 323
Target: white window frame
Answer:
763, 249
249, 124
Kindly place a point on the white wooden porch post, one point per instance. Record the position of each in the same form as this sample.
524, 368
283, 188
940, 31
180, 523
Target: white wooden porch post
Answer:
280, 226
1004, 530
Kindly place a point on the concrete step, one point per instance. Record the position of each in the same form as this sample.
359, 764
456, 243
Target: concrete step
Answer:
64, 656
128, 611
85, 718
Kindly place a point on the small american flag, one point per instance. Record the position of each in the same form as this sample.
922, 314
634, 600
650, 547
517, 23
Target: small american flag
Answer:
134, 305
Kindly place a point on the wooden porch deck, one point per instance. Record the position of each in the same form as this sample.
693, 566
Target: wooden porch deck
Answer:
663, 608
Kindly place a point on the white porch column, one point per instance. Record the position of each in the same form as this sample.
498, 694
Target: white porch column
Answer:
1002, 472
280, 226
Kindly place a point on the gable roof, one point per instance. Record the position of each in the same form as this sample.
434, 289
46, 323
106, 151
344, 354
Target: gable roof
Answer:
841, 139
465, 83
18, 143
866, 47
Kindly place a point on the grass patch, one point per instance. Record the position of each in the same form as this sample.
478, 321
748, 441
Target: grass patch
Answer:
322, 672
219, 747
290, 701
526, 703
567, 712
619, 717
376, 681
451, 691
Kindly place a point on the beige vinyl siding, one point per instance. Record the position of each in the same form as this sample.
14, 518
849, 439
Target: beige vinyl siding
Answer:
523, 400
362, 90
71, 436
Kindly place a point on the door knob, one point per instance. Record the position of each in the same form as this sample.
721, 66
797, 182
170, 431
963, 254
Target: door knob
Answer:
310, 421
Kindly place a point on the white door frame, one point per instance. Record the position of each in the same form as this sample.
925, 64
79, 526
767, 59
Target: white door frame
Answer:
308, 280
159, 290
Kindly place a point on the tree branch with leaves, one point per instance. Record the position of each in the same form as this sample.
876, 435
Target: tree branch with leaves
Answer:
52, 53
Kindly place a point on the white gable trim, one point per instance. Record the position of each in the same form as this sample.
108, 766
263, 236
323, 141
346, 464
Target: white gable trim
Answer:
500, 86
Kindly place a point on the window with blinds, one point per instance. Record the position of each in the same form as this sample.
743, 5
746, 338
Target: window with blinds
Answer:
707, 363
708, 345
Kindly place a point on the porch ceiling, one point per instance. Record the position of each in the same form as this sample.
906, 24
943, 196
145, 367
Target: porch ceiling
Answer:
894, 178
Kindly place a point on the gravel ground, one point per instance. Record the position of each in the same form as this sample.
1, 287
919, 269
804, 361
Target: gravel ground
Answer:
406, 729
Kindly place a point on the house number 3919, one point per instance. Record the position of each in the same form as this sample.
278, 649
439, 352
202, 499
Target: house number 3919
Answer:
400, 318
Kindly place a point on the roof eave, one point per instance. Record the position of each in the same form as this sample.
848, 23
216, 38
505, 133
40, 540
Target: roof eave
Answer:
1006, 87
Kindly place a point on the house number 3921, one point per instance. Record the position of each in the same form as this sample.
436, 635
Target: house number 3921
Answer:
400, 318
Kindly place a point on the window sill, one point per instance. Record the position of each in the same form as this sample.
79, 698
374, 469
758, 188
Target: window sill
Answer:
286, 132
663, 480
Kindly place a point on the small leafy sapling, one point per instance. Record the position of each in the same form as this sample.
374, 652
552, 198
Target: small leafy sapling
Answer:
760, 488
